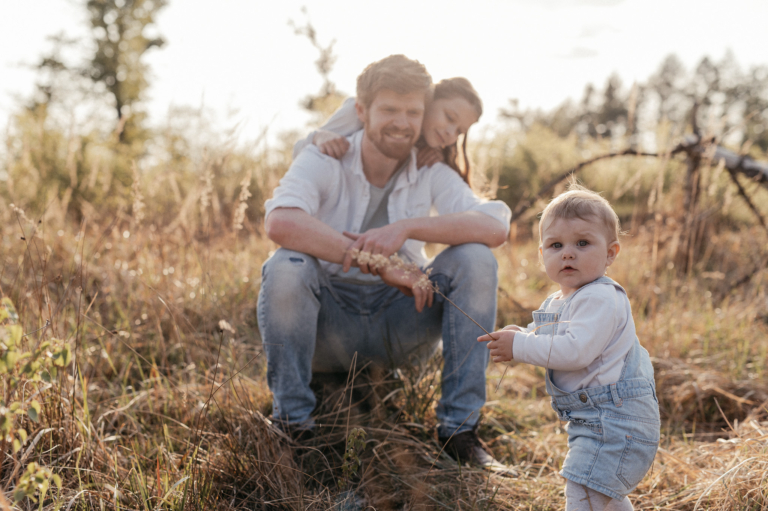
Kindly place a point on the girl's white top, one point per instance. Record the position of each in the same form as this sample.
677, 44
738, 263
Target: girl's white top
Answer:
595, 333
344, 122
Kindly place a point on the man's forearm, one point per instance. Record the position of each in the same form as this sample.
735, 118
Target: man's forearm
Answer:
294, 229
458, 228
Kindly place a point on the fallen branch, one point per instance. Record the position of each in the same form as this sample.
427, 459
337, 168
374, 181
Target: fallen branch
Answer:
692, 145
525, 205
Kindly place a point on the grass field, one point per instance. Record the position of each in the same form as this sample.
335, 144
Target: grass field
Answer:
165, 403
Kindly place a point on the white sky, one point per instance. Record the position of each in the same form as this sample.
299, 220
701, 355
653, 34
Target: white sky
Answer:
241, 56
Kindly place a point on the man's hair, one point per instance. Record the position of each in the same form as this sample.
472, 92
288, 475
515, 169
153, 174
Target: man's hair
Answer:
397, 73
580, 202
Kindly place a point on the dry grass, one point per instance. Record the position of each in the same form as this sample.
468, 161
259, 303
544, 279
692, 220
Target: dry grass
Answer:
165, 410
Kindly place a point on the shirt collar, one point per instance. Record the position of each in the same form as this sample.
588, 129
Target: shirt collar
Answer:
357, 161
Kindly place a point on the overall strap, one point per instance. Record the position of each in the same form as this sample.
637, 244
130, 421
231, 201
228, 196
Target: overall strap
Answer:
629, 358
546, 302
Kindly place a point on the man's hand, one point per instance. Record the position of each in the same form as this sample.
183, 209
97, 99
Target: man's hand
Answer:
331, 144
501, 343
410, 283
383, 240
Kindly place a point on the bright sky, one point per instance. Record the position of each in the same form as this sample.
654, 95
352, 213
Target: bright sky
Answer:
241, 56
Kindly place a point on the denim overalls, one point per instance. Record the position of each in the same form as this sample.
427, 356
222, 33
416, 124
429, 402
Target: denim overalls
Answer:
613, 430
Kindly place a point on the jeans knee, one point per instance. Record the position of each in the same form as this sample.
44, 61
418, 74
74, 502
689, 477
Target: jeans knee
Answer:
288, 269
473, 262
479, 255
290, 284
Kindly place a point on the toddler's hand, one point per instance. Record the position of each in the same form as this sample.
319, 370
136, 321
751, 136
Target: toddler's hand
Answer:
500, 343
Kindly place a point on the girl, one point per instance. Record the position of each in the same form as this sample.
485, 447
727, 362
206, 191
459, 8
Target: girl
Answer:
455, 106
599, 377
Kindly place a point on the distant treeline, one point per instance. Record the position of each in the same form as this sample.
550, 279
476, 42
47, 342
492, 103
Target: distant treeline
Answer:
730, 102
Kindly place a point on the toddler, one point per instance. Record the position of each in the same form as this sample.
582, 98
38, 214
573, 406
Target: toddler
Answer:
599, 377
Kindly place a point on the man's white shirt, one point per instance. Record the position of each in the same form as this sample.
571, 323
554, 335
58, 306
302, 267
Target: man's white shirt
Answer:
337, 193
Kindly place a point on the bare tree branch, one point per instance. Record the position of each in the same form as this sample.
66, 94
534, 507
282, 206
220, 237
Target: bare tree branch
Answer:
746, 198
525, 205
691, 145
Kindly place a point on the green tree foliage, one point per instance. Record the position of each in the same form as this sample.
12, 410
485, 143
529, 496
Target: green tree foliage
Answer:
120, 38
64, 152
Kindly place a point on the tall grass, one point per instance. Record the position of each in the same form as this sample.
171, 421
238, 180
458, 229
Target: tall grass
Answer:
166, 407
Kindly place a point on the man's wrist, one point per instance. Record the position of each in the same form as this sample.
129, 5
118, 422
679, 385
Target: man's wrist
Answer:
407, 225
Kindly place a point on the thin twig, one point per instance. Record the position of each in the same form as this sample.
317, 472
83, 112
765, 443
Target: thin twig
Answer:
467, 315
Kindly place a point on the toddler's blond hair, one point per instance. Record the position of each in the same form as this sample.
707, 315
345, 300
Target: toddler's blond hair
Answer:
580, 202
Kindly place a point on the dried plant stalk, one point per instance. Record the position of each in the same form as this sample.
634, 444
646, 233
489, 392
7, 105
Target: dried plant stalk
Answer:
138, 197
242, 202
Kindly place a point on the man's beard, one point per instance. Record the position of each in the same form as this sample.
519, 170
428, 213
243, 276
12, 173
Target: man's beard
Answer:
393, 150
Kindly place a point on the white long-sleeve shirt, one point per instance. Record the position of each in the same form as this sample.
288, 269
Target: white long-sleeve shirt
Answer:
594, 335
344, 122
337, 193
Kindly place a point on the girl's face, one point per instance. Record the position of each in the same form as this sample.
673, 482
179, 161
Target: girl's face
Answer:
446, 119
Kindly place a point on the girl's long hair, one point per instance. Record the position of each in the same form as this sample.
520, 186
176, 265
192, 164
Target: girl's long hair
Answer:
450, 88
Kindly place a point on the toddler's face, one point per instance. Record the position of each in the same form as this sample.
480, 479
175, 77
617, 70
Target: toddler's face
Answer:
576, 252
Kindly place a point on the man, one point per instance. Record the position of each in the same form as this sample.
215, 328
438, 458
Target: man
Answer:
318, 306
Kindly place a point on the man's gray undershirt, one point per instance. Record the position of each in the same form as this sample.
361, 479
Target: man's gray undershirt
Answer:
376, 215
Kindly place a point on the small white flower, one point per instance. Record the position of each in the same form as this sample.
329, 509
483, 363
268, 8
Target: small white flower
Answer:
224, 325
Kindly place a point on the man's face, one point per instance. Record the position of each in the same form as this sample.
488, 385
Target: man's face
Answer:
393, 122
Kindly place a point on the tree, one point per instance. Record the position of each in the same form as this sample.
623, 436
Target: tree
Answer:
64, 149
120, 38
328, 99
705, 81
613, 110
753, 91
668, 83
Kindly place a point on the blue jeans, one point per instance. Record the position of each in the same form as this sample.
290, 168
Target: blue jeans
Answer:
311, 322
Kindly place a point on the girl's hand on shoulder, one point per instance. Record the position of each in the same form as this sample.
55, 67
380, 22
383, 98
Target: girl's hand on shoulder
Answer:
331, 144
428, 156
500, 343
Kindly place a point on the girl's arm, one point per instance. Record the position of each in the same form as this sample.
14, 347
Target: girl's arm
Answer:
343, 123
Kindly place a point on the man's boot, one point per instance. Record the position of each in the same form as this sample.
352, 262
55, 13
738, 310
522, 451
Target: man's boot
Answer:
466, 447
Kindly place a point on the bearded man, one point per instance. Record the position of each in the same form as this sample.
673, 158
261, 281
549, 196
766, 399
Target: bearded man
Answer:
320, 307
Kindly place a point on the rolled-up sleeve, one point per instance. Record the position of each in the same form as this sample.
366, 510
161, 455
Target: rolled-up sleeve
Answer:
305, 183
450, 194
302, 143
